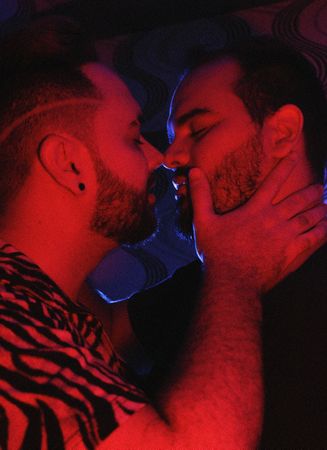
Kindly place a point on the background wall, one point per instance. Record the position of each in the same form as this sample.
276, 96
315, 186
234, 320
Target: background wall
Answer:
151, 58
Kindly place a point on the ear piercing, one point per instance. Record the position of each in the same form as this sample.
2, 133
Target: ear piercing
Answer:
81, 186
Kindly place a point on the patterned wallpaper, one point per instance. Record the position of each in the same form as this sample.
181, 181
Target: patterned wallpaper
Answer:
151, 63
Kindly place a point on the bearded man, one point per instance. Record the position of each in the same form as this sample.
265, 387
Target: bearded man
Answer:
235, 114
74, 185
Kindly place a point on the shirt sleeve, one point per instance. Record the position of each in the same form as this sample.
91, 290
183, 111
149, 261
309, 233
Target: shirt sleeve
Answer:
55, 390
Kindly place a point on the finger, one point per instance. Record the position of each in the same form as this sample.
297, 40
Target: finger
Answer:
301, 200
312, 239
305, 246
200, 194
276, 178
308, 219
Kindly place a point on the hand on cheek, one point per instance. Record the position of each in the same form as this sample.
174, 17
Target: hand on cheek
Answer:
259, 243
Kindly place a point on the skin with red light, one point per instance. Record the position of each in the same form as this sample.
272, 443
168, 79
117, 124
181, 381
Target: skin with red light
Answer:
218, 388
214, 399
209, 140
56, 237
215, 395
214, 132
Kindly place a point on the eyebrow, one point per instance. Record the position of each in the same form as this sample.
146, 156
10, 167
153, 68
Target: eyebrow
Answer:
190, 114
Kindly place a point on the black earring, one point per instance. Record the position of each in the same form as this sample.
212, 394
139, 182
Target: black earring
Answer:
81, 186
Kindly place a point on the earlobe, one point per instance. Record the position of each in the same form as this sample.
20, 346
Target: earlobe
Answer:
285, 129
62, 160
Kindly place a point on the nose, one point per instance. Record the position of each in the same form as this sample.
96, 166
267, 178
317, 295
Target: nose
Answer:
153, 156
176, 156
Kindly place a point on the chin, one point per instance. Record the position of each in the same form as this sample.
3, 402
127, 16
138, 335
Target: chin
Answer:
230, 204
142, 233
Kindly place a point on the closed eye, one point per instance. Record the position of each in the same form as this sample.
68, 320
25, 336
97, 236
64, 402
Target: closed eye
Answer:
198, 134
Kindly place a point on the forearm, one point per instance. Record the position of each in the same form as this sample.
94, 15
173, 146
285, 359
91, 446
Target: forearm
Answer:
214, 396
216, 392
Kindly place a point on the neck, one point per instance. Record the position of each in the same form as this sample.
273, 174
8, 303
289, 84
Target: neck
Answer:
62, 249
300, 177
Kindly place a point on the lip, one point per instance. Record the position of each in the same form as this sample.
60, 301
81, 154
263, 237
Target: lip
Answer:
182, 190
179, 181
152, 199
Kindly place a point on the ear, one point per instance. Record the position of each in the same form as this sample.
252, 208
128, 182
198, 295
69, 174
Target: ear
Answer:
64, 159
283, 130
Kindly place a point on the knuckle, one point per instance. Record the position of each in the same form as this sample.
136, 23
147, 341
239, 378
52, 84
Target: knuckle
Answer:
288, 208
303, 220
316, 235
311, 195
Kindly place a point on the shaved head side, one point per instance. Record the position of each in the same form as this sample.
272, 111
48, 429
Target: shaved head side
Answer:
20, 148
39, 100
42, 89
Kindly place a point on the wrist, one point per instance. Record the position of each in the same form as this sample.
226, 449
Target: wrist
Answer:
231, 276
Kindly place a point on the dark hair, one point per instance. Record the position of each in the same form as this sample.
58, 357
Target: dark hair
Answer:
274, 75
40, 69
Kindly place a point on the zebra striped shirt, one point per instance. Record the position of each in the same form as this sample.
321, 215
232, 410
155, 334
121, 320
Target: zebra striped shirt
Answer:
61, 384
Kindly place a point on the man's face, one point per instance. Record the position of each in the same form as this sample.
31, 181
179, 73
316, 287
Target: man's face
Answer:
212, 130
124, 209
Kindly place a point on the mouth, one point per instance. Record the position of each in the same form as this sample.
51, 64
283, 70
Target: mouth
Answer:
182, 191
152, 188
184, 210
181, 185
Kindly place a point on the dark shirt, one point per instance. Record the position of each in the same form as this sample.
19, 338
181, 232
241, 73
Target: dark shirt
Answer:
295, 359
61, 383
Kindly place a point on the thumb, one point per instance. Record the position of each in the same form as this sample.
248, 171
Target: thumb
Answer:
200, 194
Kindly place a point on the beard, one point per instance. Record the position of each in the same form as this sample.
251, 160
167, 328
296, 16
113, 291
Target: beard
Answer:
232, 183
121, 213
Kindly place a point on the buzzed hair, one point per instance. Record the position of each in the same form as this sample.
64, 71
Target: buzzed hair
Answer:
273, 74
44, 91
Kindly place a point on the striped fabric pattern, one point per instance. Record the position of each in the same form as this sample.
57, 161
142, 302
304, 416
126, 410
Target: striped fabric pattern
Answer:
61, 383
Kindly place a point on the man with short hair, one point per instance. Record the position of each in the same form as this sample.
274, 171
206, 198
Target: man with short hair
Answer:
76, 182
235, 115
